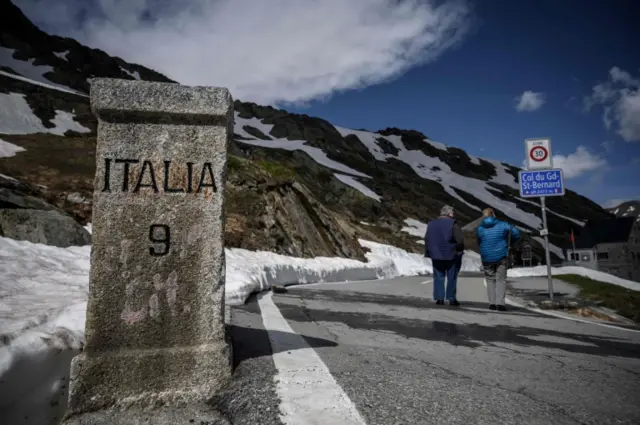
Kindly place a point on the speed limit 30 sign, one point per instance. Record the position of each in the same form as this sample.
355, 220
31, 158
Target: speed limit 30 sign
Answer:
538, 154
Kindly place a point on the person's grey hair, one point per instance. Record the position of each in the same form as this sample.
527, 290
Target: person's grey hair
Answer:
446, 210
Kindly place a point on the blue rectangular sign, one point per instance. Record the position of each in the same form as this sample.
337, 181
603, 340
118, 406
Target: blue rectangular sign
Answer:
541, 183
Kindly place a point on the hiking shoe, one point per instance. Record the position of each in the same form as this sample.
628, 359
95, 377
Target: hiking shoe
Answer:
492, 307
502, 308
440, 302
454, 303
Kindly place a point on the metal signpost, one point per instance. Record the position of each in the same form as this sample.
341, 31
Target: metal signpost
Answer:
526, 254
541, 180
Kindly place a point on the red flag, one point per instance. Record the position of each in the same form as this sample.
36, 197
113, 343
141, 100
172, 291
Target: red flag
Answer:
572, 238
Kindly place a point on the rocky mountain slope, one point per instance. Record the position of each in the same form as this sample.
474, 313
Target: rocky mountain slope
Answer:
297, 184
626, 209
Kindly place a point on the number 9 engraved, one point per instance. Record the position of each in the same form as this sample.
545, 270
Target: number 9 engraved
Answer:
165, 239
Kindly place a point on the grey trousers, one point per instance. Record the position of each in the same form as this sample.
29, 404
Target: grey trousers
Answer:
496, 277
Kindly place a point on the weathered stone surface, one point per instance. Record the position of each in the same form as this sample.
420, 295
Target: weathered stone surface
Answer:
48, 227
26, 217
155, 333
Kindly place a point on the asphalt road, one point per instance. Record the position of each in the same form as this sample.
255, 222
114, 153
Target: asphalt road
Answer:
383, 353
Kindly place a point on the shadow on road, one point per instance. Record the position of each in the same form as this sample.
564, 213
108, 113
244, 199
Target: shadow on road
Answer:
469, 334
253, 342
329, 295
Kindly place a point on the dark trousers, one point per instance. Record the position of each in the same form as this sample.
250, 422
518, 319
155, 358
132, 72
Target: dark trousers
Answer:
446, 269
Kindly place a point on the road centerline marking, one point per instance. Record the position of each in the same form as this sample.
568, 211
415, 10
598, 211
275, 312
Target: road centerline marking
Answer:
309, 394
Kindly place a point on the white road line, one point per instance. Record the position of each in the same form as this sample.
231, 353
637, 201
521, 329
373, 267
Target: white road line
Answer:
425, 282
562, 316
308, 392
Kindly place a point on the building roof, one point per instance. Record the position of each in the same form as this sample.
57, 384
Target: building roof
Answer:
608, 230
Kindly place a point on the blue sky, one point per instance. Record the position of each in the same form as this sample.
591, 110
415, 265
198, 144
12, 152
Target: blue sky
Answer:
466, 97
453, 69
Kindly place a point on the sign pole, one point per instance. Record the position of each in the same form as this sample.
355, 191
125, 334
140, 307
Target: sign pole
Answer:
546, 245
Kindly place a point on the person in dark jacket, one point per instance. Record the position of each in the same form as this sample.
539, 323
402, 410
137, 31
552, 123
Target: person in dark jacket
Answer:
444, 244
493, 239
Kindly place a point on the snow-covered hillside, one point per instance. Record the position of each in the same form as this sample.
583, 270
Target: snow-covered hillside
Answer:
17, 117
627, 209
427, 167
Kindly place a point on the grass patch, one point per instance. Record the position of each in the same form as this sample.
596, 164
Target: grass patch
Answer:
277, 170
234, 164
625, 301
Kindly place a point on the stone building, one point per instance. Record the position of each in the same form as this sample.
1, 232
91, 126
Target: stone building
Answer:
610, 245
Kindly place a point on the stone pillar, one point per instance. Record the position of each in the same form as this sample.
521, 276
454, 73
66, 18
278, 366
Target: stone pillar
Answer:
156, 348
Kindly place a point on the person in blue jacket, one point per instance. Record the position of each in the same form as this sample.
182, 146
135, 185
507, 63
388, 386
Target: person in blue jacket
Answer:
444, 244
493, 239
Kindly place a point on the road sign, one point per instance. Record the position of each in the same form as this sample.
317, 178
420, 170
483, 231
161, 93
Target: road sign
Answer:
538, 154
541, 183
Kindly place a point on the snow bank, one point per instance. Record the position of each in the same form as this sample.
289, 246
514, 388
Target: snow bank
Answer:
249, 271
582, 271
43, 294
409, 264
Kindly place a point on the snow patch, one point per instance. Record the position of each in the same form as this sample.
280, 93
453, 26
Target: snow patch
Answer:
16, 117
134, 74
317, 154
350, 181
537, 204
29, 71
415, 227
46, 85
437, 145
62, 55
9, 149
369, 140
64, 122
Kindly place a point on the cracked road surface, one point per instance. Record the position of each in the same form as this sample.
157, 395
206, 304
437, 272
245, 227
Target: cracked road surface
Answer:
388, 352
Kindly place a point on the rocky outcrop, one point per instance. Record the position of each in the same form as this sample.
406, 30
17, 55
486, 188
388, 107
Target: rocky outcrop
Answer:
275, 213
27, 217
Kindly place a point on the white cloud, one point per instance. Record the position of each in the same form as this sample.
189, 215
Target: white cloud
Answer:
620, 100
274, 51
578, 163
529, 101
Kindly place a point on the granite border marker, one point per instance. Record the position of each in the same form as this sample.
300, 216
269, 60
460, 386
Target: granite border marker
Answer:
156, 349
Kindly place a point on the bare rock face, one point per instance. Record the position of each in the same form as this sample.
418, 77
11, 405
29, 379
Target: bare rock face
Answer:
281, 216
